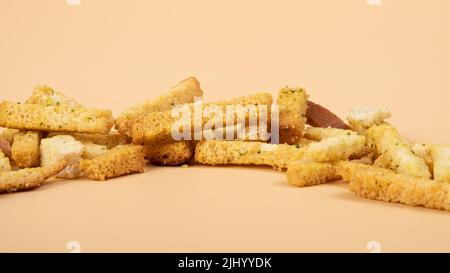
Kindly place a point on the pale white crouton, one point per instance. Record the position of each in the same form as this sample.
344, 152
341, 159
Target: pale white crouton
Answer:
441, 166
396, 151
60, 147
318, 133
424, 151
335, 148
5, 166
361, 118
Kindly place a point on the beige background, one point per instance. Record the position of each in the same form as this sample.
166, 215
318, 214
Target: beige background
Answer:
112, 54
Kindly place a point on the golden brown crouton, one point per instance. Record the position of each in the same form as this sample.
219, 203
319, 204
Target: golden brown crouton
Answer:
183, 92
307, 173
215, 152
292, 119
30, 178
55, 118
121, 160
25, 149
157, 126
385, 185
170, 154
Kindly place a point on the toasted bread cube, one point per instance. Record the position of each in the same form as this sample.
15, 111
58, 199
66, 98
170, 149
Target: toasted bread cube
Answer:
170, 154
441, 163
62, 147
183, 92
121, 160
45, 95
55, 118
25, 149
307, 173
4, 163
293, 103
385, 185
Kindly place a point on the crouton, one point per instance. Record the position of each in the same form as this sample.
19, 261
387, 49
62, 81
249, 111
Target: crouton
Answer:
121, 160
29, 178
45, 95
61, 147
441, 163
157, 126
335, 148
307, 173
110, 140
55, 118
317, 133
183, 92
215, 152
92, 150
4, 163
170, 154
292, 118
385, 185
398, 151
362, 118
424, 151
383, 161
25, 149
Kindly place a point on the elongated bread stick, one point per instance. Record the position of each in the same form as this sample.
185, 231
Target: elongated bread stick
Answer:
55, 118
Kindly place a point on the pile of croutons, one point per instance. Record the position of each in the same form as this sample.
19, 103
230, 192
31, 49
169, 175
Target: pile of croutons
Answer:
50, 135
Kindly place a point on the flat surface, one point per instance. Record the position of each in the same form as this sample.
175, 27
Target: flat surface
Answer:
113, 54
